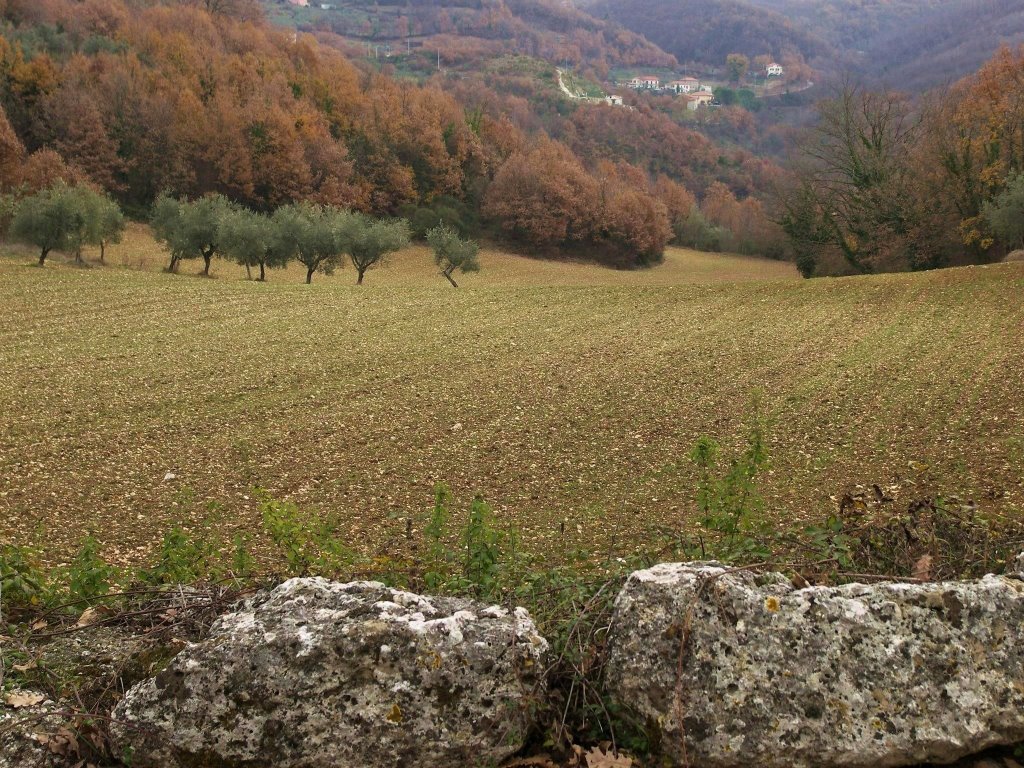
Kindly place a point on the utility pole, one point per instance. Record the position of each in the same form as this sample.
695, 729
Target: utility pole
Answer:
438, 59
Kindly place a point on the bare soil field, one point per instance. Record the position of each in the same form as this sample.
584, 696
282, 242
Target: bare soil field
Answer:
568, 395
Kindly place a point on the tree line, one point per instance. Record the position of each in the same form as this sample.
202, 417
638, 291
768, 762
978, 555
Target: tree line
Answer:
209, 99
320, 237
887, 183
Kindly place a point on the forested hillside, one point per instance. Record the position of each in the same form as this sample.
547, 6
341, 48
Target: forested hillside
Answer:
706, 31
884, 182
207, 97
465, 31
911, 44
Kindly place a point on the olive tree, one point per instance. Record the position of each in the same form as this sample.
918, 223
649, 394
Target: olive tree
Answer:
452, 252
252, 240
108, 225
189, 229
60, 218
367, 241
310, 233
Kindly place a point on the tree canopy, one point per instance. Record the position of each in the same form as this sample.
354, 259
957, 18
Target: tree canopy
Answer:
367, 241
452, 252
65, 218
189, 229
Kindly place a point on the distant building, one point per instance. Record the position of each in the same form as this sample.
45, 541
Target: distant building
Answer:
695, 101
645, 83
684, 85
773, 70
303, 3
614, 101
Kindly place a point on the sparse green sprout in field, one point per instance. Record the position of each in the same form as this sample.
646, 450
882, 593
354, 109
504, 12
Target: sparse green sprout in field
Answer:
1005, 214
253, 240
190, 229
452, 252
65, 218
309, 232
367, 241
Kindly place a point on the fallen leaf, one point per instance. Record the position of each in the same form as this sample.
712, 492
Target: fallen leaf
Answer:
537, 761
923, 568
20, 699
41, 624
93, 615
598, 759
63, 743
24, 667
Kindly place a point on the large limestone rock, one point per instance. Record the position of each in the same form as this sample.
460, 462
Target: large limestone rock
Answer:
740, 669
316, 674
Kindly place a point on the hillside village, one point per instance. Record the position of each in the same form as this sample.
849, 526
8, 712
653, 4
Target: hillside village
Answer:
691, 89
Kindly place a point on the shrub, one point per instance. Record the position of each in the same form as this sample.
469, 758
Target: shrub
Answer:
698, 233
22, 582
89, 576
182, 559
307, 550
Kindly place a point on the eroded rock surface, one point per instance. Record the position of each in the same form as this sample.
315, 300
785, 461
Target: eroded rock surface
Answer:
25, 733
316, 673
740, 669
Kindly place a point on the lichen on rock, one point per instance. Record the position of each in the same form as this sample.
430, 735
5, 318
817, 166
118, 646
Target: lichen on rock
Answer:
738, 669
316, 673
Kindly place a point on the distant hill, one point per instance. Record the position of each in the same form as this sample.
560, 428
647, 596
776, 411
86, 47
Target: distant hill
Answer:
706, 31
908, 44
461, 29
913, 44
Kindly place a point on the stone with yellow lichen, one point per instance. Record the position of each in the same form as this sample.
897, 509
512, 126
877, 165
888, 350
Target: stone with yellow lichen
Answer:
316, 673
742, 669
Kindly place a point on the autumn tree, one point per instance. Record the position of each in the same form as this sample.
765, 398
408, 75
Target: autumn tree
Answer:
679, 202
634, 227
544, 197
12, 154
45, 168
189, 229
854, 172
367, 241
452, 252
976, 138
75, 129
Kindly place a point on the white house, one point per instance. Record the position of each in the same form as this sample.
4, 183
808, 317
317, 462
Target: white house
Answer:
645, 83
773, 70
613, 100
684, 85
